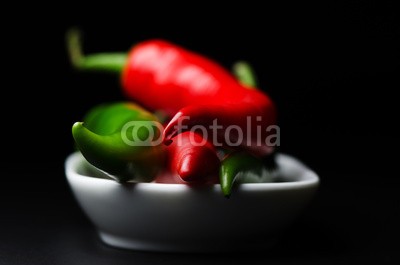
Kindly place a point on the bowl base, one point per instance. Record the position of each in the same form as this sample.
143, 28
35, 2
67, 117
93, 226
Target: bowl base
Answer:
132, 244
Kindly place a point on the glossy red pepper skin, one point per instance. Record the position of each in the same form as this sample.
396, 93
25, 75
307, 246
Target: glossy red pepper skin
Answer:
164, 76
252, 114
194, 159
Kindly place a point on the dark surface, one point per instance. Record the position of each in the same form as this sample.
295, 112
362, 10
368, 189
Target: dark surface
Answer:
330, 70
347, 223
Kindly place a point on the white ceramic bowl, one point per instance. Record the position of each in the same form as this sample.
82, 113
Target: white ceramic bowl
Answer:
175, 217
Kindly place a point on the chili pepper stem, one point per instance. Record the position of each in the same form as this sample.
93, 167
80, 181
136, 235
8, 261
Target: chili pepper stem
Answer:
245, 74
102, 62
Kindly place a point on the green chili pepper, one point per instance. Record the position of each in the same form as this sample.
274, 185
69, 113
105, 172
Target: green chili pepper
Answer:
120, 139
243, 167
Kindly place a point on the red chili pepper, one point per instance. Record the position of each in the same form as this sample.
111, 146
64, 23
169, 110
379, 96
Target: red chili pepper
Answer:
163, 76
243, 122
194, 159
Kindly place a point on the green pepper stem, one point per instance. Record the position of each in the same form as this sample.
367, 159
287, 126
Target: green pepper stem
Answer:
102, 62
245, 74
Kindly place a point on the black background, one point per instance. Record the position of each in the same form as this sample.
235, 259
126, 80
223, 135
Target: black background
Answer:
331, 69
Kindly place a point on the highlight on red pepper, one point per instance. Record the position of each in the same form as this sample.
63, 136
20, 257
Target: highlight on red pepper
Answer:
162, 69
105, 141
194, 159
158, 74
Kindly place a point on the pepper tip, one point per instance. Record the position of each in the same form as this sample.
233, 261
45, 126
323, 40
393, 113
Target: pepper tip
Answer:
167, 142
77, 125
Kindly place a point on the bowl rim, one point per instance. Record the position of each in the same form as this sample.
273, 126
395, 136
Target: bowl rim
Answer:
308, 179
